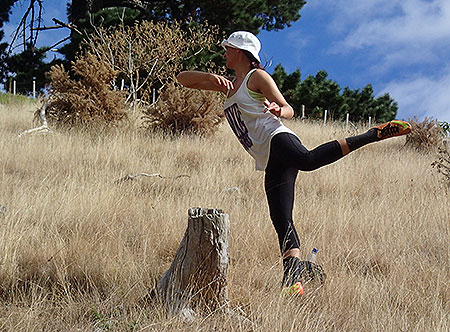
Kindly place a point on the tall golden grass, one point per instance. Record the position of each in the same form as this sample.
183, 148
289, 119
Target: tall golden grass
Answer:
78, 251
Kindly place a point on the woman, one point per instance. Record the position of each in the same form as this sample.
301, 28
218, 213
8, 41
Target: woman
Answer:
253, 108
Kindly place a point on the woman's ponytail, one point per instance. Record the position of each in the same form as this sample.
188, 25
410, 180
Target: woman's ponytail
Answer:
255, 64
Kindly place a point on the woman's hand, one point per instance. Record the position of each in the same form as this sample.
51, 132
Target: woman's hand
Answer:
221, 82
273, 108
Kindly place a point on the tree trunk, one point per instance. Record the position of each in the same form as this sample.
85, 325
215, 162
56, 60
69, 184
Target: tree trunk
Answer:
198, 274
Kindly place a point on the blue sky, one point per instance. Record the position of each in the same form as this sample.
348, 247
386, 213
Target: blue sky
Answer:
399, 46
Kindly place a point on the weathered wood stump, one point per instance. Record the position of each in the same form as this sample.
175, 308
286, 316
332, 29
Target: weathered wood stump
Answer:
198, 274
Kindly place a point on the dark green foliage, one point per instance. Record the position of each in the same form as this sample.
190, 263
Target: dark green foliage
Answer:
25, 67
108, 17
22, 67
5, 11
362, 104
229, 15
319, 93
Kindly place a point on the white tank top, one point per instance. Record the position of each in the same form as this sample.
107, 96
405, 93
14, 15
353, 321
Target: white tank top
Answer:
253, 128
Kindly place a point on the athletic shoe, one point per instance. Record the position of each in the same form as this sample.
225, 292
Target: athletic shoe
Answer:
292, 268
392, 128
298, 273
294, 290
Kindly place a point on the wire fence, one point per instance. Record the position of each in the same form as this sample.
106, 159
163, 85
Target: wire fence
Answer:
12, 87
326, 119
13, 90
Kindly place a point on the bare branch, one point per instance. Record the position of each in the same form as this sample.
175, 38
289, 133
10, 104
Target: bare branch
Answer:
22, 26
2, 210
44, 127
60, 42
131, 177
53, 27
67, 25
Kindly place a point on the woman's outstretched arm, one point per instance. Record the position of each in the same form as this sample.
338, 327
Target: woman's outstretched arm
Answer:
204, 81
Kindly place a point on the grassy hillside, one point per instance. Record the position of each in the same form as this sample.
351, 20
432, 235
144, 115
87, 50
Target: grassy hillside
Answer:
78, 251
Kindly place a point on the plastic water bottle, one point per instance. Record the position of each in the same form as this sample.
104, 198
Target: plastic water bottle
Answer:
312, 255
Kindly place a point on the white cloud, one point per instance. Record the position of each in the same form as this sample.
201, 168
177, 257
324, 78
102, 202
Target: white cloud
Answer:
422, 96
418, 23
402, 43
396, 32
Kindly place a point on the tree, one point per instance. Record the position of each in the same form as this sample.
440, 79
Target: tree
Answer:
28, 64
148, 54
229, 15
84, 21
319, 93
385, 108
289, 85
362, 104
5, 11
25, 67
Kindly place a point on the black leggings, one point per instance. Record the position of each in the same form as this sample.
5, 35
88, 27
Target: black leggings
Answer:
287, 157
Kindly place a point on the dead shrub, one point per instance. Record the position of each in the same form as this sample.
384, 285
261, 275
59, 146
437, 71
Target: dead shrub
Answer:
150, 54
182, 110
86, 98
443, 165
425, 136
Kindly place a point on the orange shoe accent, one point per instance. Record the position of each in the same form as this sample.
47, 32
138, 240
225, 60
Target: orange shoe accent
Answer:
393, 128
294, 290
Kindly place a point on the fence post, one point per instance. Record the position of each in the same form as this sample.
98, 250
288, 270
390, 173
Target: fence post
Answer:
303, 112
370, 121
14, 87
34, 88
325, 118
346, 121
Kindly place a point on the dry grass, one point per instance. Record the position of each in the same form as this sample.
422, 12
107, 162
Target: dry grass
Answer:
78, 251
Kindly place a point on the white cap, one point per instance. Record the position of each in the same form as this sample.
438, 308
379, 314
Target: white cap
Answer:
244, 40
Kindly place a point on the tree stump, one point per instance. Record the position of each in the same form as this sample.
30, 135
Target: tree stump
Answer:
198, 274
